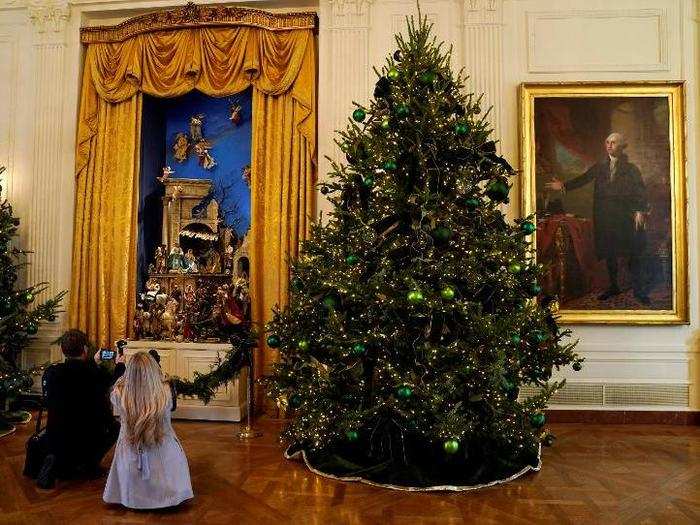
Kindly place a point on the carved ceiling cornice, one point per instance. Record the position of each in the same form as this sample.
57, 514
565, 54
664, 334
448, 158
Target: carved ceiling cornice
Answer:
192, 15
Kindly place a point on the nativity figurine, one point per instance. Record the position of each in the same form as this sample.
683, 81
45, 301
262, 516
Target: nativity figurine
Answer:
176, 260
191, 262
160, 263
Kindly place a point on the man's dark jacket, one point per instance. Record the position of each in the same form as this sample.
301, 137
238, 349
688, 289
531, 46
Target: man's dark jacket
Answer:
614, 204
80, 425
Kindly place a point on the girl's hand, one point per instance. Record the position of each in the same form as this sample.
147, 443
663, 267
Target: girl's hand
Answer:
97, 358
120, 358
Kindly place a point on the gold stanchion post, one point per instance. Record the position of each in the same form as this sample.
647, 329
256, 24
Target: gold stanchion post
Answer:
248, 432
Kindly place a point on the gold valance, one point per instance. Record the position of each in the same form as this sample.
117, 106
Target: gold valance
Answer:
193, 15
217, 61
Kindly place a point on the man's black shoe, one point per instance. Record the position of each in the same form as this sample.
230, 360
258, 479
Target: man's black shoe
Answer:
47, 477
642, 298
610, 292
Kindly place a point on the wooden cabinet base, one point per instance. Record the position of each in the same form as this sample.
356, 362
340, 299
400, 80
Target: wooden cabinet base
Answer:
183, 360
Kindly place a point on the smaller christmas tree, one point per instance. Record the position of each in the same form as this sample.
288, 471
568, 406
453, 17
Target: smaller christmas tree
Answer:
19, 318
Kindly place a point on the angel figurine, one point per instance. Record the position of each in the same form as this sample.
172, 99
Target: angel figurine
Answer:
180, 147
167, 172
196, 122
246, 173
236, 114
201, 149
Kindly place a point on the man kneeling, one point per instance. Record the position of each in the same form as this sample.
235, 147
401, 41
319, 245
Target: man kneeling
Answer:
80, 427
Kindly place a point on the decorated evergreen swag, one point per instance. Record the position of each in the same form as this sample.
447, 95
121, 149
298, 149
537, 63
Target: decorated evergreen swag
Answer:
203, 386
413, 317
19, 320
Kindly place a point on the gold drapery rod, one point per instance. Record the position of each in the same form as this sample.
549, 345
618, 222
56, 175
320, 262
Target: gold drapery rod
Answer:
193, 15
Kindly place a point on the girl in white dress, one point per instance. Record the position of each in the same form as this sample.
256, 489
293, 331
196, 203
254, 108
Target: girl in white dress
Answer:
149, 469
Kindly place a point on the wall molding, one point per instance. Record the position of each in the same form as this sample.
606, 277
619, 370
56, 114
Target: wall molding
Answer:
659, 16
482, 12
9, 39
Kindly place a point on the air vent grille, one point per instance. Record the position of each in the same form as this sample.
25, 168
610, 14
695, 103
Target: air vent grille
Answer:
617, 394
646, 394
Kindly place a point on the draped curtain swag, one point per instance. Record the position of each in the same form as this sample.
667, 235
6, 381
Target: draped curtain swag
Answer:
219, 51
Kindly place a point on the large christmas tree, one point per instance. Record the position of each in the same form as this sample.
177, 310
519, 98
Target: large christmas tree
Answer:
413, 318
19, 318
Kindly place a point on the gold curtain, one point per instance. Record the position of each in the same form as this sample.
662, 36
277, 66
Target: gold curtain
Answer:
219, 61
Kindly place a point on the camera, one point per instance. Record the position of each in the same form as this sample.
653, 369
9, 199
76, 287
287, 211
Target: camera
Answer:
106, 354
121, 345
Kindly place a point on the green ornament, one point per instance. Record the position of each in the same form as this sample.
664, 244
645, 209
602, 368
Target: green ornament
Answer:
527, 228
27, 297
404, 392
352, 435
386, 123
393, 73
472, 204
368, 181
515, 339
497, 190
32, 328
447, 293
352, 259
538, 336
273, 341
295, 401
537, 419
303, 345
577, 366
451, 446
514, 268
390, 165
415, 297
359, 115
5, 305
461, 128
402, 111
442, 233
535, 288
508, 385
359, 348
329, 301
427, 77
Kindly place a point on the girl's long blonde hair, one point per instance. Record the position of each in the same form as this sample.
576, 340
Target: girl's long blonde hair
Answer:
144, 398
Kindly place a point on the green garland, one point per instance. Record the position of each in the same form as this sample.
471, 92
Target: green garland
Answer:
203, 386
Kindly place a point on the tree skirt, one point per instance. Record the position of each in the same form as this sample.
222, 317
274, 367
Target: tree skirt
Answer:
18, 417
6, 428
425, 475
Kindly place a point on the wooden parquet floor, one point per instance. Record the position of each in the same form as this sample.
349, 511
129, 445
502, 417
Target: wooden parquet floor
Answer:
594, 474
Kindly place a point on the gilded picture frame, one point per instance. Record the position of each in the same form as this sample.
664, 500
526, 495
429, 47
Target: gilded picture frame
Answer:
603, 171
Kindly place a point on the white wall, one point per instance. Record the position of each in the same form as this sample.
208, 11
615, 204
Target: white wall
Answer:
500, 42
